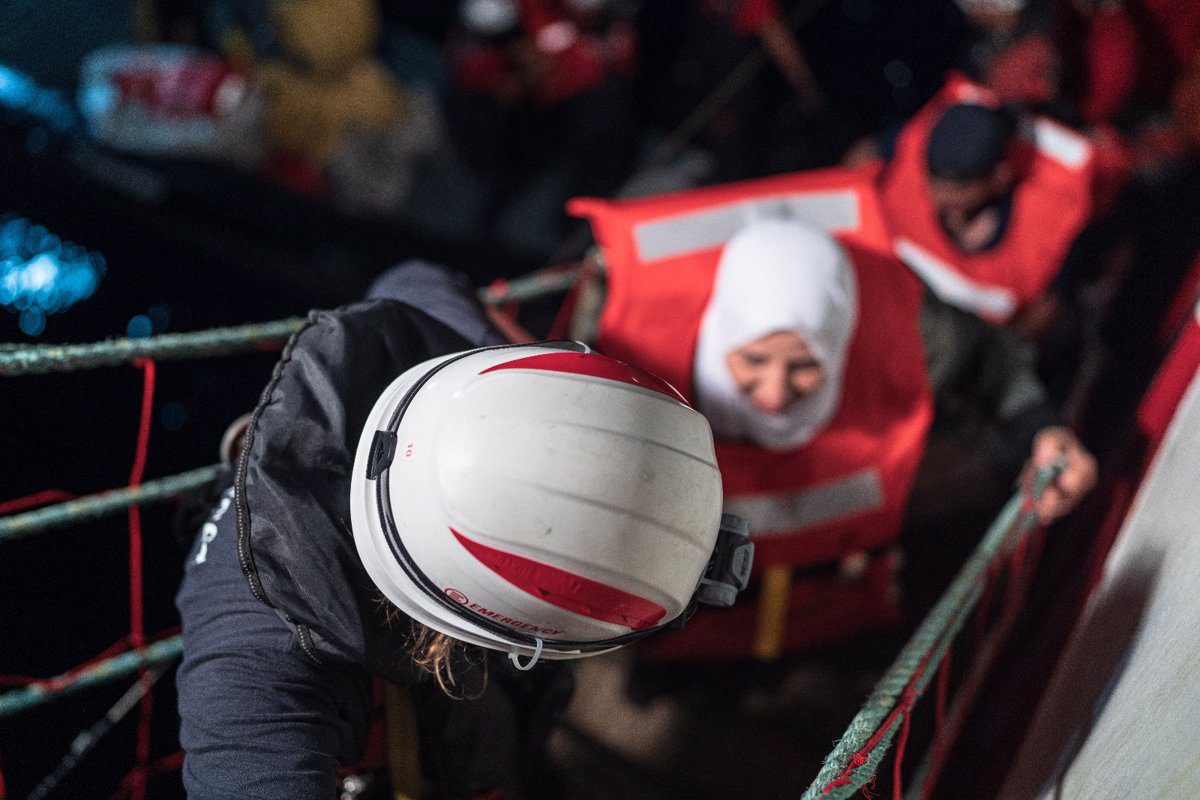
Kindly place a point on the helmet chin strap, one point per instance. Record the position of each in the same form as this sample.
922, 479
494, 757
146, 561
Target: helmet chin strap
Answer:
537, 653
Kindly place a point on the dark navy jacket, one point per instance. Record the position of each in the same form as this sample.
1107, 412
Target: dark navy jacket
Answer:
282, 629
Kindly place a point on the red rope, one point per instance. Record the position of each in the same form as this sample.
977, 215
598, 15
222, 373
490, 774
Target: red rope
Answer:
901, 743
862, 756
1013, 594
937, 750
33, 500
137, 628
902, 708
171, 763
1023, 562
943, 685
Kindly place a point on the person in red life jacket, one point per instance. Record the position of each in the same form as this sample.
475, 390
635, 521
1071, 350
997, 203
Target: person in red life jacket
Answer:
1007, 47
1122, 57
810, 360
577, 46
410, 506
550, 51
984, 201
772, 355
542, 103
971, 176
818, 364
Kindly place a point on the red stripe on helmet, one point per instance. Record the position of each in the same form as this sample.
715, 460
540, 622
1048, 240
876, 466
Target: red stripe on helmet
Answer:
566, 589
595, 365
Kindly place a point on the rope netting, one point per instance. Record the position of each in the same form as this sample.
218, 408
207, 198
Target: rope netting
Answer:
139, 654
132, 652
882, 724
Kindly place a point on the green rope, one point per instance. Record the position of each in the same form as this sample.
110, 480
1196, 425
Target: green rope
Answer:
111, 669
928, 645
42, 358
863, 775
543, 283
28, 523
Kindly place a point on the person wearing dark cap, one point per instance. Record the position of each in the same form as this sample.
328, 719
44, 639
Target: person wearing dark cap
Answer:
971, 174
984, 200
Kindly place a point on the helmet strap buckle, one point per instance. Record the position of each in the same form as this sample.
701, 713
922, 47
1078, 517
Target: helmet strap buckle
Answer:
515, 658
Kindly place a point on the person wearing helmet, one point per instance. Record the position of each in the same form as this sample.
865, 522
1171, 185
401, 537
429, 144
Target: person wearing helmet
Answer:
411, 506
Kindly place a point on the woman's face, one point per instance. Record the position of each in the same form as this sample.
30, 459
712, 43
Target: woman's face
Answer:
775, 371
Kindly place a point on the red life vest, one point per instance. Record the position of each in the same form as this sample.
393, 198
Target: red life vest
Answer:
1052, 202
839, 499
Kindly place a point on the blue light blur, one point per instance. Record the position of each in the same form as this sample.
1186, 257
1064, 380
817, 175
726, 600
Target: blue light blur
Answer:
17, 89
160, 317
32, 322
20, 93
41, 274
139, 327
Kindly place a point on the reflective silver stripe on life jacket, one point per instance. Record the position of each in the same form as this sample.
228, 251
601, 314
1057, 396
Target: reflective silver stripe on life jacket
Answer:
987, 301
788, 512
1061, 144
712, 227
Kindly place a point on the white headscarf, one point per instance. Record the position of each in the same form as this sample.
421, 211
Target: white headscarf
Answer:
776, 275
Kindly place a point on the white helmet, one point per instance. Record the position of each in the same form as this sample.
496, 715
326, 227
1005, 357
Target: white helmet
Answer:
542, 500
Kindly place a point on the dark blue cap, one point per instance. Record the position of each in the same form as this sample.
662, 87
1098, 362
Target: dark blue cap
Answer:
967, 142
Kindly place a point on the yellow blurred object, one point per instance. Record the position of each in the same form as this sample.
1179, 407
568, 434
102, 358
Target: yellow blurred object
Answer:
328, 81
772, 612
328, 38
238, 50
309, 114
